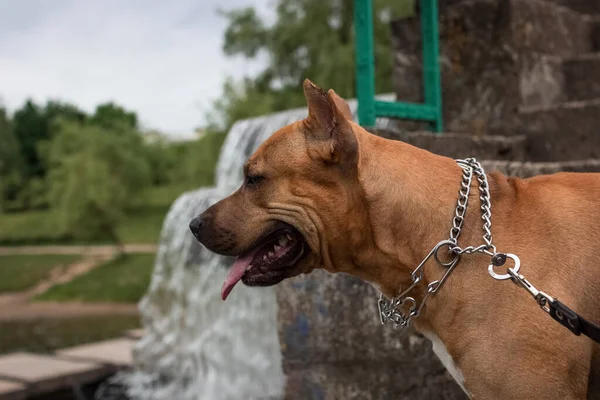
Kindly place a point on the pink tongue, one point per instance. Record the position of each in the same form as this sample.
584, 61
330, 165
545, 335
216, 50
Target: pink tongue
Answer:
236, 272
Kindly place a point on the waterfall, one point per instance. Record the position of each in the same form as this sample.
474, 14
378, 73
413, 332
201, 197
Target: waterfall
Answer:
196, 346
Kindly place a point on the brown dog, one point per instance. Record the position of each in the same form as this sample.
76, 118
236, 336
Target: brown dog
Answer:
325, 193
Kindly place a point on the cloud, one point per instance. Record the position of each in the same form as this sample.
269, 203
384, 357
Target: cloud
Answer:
161, 59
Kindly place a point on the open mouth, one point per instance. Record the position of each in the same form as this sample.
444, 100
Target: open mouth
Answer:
268, 262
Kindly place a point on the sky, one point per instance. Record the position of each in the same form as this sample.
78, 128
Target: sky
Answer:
162, 59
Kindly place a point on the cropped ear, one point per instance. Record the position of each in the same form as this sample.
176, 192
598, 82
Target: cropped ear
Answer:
327, 127
341, 104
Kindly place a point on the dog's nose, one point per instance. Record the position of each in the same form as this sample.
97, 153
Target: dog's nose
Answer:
196, 225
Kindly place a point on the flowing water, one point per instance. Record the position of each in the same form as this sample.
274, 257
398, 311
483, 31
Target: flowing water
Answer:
195, 345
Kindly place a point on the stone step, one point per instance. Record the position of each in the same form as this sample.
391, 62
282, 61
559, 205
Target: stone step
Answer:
114, 352
456, 145
42, 374
582, 77
381, 379
10, 390
528, 169
568, 131
582, 6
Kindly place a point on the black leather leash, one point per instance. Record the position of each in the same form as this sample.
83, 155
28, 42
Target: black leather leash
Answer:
573, 321
557, 310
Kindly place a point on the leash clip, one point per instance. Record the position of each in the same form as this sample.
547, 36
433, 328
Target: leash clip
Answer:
544, 300
524, 283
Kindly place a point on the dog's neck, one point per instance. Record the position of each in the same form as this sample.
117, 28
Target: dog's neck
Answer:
412, 201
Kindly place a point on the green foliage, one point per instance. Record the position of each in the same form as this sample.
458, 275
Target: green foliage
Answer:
161, 158
55, 111
95, 174
11, 163
31, 127
35, 125
122, 280
22, 272
34, 128
309, 39
199, 160
112, 116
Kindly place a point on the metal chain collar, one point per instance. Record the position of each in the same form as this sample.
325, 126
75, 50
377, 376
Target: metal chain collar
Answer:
394, 309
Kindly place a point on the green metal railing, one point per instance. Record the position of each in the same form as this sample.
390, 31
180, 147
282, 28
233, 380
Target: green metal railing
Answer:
368, 107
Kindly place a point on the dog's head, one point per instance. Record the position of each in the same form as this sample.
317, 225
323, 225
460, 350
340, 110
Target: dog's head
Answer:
300, 206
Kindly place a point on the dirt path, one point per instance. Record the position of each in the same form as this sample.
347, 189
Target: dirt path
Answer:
63, 275
17, 306
85, 250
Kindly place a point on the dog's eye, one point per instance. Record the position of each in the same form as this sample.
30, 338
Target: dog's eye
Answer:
254, 180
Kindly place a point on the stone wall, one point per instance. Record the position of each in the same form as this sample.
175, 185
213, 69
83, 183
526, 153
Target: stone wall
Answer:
335, 348
455, 145
496, 56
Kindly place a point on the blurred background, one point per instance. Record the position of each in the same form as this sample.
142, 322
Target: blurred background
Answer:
114, 115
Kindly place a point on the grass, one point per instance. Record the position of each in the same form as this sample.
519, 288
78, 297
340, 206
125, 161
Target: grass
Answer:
46, 335
141, 224
31, 227
21, 272
122, 280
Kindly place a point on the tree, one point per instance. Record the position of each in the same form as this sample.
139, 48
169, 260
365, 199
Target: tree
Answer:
309, 39
34, 127
11, 163
161, 159
34, 124
31, 126
95, 174
112, 116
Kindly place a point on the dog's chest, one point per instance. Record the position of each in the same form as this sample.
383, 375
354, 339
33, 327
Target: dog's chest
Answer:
440, 351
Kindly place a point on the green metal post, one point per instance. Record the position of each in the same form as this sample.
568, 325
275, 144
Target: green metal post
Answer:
365, 63
431, 65
368, 107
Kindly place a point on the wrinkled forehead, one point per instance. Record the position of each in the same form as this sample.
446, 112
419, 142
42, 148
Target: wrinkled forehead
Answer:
284, 148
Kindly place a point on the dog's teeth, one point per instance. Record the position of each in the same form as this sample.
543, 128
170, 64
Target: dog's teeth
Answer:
271, 254
289, 236
265, 257
283, 241
248, 267
277, 248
